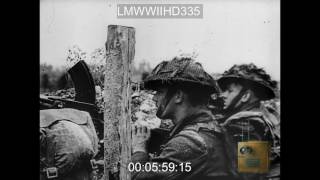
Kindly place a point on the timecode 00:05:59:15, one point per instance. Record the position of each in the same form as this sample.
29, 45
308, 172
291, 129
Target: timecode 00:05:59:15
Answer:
159, 167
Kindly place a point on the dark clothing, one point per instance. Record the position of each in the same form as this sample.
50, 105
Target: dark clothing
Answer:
196, 140
251, 124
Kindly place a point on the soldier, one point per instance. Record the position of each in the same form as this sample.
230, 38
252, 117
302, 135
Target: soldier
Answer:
244, 88
68, 142
194, 149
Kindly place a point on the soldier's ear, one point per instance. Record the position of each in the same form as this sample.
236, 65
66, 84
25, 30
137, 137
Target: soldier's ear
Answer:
246, 96
178, 97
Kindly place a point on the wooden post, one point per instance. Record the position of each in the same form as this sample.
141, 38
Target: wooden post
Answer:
117, 97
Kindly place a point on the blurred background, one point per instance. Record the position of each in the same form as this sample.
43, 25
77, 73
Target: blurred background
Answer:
230, 32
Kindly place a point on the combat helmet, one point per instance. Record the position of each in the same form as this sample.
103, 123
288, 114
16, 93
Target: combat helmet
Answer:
251, 74
183, 71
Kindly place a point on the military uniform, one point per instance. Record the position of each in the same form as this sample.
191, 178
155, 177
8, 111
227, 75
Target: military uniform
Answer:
197, 138
253, 121
198, 141
251, 124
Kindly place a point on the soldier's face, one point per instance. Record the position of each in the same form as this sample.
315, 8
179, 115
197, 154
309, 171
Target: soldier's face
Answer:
159, 99
230, 92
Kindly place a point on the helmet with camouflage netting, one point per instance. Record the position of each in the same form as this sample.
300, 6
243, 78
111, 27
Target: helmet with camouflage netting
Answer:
183, 72
252, 76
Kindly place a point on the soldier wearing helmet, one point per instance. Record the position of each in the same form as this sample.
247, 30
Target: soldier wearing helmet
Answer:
247, 80
244, 88
182, 90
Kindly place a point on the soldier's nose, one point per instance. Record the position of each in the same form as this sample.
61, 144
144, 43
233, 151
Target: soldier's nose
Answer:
223, 94
154, 98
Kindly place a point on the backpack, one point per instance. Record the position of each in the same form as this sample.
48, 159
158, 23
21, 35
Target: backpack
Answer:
68, 139
267, 115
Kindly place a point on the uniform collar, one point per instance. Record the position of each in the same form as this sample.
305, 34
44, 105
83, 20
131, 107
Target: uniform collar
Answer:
247, 107
202, 115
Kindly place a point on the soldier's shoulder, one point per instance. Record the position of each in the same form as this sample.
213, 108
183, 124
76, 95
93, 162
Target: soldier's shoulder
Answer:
213, 126
193, 132
189, 138
254, 115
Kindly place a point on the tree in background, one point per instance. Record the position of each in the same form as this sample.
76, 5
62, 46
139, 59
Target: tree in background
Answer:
141, 70
45, 84
96, 64
58, 78
49, 77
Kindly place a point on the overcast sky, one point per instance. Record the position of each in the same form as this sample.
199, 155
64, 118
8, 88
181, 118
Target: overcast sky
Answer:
230, 32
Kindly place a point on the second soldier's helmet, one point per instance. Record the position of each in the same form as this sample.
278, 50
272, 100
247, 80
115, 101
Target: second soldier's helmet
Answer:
252, 75
180, 71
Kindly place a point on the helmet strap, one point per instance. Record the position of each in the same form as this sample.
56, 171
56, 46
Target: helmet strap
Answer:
166, 100
232, 107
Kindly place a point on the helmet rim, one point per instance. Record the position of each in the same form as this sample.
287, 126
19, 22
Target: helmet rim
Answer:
270, 92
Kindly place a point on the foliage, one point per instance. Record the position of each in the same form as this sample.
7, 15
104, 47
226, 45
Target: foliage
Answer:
52, 79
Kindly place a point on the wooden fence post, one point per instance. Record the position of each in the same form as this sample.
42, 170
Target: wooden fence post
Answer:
117, 97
